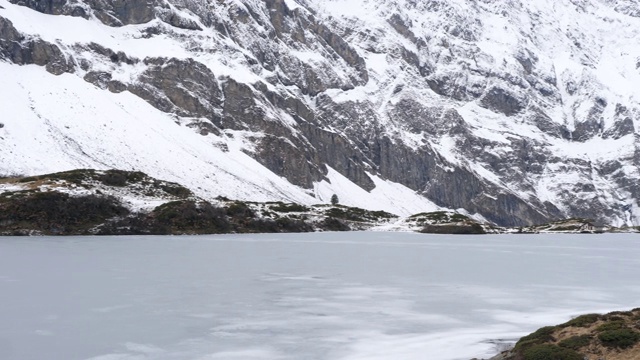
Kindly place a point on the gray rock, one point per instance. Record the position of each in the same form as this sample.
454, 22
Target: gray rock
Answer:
174, 19
20, 50
502, 101
184, 87
110, 12
53, 7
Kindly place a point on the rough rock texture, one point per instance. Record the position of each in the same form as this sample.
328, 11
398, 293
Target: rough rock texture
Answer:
20, 50
485, 106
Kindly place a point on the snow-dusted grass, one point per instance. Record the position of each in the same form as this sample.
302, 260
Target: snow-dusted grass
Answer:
327, 296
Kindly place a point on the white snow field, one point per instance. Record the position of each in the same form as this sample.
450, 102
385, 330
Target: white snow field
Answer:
359, 296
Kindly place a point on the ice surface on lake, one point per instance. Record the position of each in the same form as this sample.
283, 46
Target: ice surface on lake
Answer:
342, 296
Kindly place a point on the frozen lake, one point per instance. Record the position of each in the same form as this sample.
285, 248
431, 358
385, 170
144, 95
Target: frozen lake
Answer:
337, 296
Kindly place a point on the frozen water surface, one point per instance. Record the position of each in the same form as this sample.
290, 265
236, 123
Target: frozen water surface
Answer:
343, 296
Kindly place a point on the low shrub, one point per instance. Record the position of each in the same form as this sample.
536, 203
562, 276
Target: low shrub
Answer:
72, 176
189, 217
619, 338
345, 214
582, 320
612, 325
440, 217
286, 208
333, 224
121, 178
239, 209
58, 213
539, 336
458, 229
280, 225
550, 352
358, 214
575, 342
176, 190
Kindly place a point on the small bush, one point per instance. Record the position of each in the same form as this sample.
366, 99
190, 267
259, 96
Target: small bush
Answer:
458, 217
358, 214
281, 225
176, 190
240, 209
58, 213
333, 224
567, 228
345, 214
286, 208
113, 178
121, 178
620, 338
291, 225
189, 217
440, 217
550, 352
539, 336
612, 325
582, 321
575, 342
618, 313
462, 229
72, 176
382, 214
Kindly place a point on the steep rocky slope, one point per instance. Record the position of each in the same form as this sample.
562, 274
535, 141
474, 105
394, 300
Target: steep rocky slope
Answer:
518, 112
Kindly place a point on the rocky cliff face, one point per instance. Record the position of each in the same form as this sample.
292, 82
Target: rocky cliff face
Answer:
520, 112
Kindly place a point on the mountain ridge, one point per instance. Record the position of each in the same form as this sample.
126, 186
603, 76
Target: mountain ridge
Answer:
508, 112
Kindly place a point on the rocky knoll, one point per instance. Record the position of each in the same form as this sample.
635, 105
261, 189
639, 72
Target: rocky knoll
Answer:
115, 202
118, 202
614, 336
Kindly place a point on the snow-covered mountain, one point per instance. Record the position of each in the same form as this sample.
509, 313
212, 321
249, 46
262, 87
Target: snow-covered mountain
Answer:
518, 112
